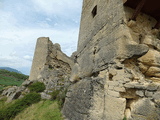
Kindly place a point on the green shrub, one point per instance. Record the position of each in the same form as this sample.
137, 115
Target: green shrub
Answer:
61, 98
37, 87
59, 95
31, 98
54, 94
124, 118
12, 110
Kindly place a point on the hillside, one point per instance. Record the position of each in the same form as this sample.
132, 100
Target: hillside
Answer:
8, 78
10, 69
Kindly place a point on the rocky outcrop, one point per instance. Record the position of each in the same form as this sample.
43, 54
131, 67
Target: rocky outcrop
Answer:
116, 71
114, 94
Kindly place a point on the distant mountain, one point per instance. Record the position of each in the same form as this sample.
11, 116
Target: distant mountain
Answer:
10, 69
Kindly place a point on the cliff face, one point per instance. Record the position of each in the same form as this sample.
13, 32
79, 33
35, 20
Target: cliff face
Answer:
116, 71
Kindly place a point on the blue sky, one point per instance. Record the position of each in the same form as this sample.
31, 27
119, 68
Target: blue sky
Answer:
23, 21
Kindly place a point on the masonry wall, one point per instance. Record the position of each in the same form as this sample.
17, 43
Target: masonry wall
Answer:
109, 14
104, 37
40, 57
116, 73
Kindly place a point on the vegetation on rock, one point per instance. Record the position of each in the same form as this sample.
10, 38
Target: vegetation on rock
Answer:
9, 111
37, 87
59, 96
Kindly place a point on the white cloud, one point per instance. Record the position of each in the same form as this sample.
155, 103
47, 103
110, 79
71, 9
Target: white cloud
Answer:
28, 57
58, 7
7, 21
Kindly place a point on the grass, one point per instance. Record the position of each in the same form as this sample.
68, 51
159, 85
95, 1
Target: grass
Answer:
44, 110
2, 102
9, 111
8, 78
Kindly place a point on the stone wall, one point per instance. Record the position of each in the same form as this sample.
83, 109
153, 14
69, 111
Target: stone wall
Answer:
40, 55
50, 65
116, 73
105, 38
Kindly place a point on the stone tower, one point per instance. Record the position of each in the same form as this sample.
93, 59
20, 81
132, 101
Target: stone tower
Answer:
49, 61
116, 71
40, 57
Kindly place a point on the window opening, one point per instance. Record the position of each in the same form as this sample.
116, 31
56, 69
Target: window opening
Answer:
94, 11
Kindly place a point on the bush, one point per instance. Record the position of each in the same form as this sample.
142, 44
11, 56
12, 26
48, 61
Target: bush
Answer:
37, 87
31, 98
12, 110
59, 95
125, 118
54, 94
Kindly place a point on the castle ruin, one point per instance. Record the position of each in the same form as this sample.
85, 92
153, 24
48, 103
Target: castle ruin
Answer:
117, 70
115, 73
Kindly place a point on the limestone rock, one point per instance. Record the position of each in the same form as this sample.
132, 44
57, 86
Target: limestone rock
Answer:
9, 91
145, 109
148, 93
157, 98
75, 75
125, 55
151, 58
153, 71
132, 50
45, 96
79, 96
114, 108
140, 93
151, 41
27, 83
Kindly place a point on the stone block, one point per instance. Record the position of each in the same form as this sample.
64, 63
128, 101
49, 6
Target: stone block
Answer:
140, 93
144, 108
113, 93
112, 83
148, 93
152, 87
114, 108
120, 89
156, 97
151, 58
